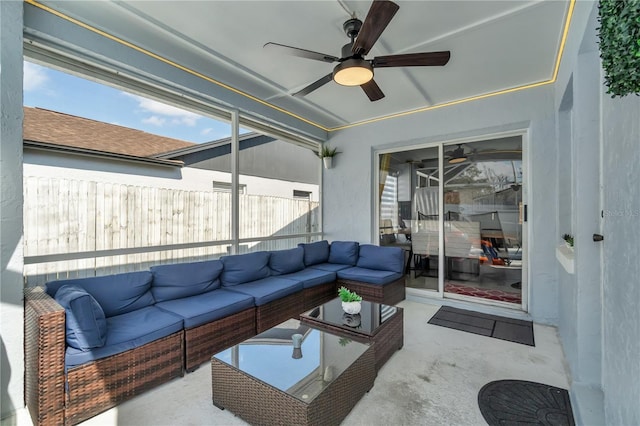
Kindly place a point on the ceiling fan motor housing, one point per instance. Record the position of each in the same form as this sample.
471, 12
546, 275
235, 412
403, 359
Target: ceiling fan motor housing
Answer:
352, 28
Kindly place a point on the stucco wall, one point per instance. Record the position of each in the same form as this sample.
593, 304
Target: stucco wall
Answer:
621, 283
348, 194
11, 311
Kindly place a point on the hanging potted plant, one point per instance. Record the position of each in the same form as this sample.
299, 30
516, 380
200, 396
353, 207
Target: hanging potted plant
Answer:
327, 153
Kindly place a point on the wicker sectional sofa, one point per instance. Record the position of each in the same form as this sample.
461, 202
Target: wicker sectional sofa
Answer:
91, 343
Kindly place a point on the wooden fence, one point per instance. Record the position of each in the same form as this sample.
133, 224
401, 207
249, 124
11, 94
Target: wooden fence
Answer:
71, 216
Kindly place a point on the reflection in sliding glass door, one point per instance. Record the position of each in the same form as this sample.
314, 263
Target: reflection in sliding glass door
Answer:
483, 223
480, 219
408, 213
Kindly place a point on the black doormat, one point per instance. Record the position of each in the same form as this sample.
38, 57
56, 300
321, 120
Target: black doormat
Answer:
513, 330
518, 402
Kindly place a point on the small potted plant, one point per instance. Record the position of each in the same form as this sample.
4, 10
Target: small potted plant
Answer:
350, 301
568, 240
327, 153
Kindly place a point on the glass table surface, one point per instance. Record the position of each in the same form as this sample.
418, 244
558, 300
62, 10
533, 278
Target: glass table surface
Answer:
367, 322
302, 373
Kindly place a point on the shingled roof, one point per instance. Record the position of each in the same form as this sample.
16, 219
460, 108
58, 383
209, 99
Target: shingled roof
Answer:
52, 127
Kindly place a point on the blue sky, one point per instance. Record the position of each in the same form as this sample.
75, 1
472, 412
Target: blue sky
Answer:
57, 91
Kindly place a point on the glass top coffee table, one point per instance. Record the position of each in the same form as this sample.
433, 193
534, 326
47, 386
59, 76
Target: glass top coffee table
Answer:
267, 379
378, 324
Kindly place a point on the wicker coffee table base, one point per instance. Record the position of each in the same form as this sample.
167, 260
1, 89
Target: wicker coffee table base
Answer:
258, 403
385, 342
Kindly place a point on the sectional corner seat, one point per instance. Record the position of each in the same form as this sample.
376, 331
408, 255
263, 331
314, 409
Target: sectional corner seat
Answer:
91, 343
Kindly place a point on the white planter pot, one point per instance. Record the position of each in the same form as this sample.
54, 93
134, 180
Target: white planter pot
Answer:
328, 162
351, 307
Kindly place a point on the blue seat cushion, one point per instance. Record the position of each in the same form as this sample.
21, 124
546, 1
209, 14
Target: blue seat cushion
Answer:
128, 331
207, 307
86, 325
370, 276
244, 268
286, 261
268, 289
311, 277
331, 267
344, 252
184, 279
381, 258
315, 253
117, 294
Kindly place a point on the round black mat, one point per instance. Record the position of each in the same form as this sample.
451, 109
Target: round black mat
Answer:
518, 402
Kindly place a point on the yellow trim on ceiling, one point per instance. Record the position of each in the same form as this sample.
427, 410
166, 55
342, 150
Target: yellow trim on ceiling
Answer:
282, 110
170, 62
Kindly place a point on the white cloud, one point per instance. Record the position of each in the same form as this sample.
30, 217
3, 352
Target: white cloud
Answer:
35, 77
177, 115
206, 131
154, 120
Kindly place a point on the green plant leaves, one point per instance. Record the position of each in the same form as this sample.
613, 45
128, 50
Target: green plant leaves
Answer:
619, 35
347, 295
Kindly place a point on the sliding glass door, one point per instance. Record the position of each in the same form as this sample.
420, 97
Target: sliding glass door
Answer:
469, 206
483, 223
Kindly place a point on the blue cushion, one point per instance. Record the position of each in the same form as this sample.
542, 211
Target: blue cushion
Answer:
311, 277
184, 279
268, 289
244, 268
117, 294
381, 258
370, 276
332, 267
207, 307
344, 252
128, 331
314, 253
86, 325
287, 261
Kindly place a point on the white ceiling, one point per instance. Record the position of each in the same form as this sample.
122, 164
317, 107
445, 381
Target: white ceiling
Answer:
495, 45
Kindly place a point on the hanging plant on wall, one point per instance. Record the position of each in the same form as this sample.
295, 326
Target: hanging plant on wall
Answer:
619, 34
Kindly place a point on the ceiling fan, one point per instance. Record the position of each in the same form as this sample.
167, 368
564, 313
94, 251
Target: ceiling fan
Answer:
458, 155
353, 69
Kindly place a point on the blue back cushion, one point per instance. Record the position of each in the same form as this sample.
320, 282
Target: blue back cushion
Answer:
117, 294
344, 252
381, 258
287, 261
185, 279
243, 268
84, 318
315, 253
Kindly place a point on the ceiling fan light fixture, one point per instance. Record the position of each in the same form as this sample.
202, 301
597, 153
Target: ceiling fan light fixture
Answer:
458, 155
456, 160
353, 72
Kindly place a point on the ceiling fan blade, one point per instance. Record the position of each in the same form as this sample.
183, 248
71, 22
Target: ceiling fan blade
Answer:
412, 60
379, 16
372, 90
315, 85
302, 53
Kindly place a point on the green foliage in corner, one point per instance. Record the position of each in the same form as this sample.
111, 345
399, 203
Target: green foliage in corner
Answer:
619, 34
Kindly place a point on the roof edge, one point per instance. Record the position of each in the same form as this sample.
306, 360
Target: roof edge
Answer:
101, 154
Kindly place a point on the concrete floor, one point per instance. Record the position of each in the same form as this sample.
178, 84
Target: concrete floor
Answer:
433, 380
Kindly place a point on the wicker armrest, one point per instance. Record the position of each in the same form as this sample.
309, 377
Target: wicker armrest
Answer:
44, 347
